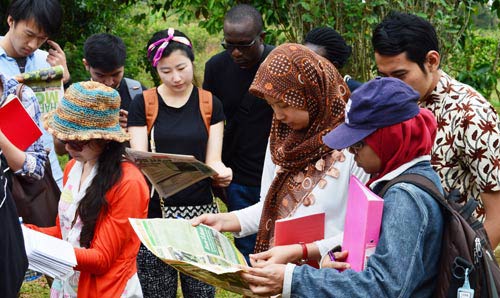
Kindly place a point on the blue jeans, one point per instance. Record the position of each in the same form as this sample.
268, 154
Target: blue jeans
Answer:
239, 197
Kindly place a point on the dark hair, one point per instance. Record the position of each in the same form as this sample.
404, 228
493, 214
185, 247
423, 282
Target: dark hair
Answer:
403, 32
109, 171
47, 14
242, 12
105, 51
337, 51
172, 45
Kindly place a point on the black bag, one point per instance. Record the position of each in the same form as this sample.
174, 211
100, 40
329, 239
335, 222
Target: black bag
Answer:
37, 200
13, 261
465, 244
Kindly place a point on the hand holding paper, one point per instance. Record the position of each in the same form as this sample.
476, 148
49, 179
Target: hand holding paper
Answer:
282, 254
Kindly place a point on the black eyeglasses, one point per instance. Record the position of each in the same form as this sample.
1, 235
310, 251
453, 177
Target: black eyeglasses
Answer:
240, 47
76, 145
354, 149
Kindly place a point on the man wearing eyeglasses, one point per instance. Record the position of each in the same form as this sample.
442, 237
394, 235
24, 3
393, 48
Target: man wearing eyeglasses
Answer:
228, 76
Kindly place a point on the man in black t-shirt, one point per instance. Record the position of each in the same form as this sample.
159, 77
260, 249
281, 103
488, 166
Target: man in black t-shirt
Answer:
228, 76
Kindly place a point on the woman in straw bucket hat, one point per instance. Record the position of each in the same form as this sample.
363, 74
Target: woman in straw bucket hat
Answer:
101, 191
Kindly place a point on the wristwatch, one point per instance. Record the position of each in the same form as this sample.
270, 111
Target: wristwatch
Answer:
304, 258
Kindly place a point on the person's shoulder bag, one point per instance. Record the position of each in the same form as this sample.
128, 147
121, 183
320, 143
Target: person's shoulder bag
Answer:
36, 200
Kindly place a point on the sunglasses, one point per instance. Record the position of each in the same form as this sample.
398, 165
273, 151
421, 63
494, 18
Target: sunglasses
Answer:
76, 145
241, 47
354, 149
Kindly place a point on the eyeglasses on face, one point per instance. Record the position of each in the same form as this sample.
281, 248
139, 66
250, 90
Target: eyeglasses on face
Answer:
76, 145
241, 47
354, 149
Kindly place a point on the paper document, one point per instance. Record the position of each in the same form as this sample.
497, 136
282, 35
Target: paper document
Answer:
200, 251
49, 255
169, 173
47, 85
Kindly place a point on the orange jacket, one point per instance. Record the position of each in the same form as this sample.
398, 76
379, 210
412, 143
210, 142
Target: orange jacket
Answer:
110, 261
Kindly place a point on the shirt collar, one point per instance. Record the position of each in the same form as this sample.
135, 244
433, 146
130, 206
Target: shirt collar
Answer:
393, 174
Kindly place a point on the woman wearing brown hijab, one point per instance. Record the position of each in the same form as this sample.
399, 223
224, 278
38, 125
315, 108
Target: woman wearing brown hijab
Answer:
302, 176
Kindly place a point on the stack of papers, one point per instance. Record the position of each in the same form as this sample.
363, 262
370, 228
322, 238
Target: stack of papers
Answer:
49, 255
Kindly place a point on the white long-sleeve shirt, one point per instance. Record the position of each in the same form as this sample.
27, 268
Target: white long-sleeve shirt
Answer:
332, 200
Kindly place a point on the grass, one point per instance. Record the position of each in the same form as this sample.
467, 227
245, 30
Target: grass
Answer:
39, 289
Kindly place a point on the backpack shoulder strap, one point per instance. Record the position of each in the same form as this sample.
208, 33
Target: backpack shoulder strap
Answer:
134, 87
150, 107
206, 106
421, 182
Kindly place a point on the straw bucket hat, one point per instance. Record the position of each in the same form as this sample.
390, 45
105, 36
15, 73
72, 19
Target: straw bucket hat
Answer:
87, 111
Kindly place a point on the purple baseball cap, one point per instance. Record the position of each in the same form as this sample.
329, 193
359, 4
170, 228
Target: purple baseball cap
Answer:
377, 103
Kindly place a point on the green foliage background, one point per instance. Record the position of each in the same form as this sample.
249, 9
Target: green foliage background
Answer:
468, 54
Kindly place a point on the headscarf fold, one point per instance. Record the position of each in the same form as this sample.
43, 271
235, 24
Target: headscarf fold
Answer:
304, 80
400, 143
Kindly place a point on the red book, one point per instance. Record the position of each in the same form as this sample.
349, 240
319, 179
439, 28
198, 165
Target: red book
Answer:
17, 125
305, 229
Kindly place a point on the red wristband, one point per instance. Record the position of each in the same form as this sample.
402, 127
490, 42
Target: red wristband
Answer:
304, 253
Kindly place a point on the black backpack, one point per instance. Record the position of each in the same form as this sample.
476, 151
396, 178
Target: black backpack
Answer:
464, 245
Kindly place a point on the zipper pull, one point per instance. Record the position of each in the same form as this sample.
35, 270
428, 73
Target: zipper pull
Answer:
478, 252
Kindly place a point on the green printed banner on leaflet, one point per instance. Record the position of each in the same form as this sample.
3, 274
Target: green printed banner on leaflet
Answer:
47, 85
207, 241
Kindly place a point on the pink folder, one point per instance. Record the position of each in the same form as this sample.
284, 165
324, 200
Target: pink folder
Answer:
362, 223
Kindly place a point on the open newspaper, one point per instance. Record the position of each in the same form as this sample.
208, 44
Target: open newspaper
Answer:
169, 173
200, 251
47, 85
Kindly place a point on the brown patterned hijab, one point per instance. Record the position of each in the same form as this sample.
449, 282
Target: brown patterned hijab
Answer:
302, 79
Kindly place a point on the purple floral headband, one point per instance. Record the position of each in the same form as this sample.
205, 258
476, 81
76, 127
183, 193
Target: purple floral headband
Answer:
164, 43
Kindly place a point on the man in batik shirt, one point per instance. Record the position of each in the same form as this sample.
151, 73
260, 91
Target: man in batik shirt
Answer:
467, 147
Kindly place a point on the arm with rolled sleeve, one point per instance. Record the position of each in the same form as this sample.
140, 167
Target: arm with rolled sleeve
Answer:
403, 265
35, 155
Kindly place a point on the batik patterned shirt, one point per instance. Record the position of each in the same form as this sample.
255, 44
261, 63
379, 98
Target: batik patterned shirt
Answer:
466, 151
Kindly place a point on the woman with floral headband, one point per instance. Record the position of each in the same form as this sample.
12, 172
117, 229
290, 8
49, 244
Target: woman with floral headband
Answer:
302, 176
101, 191
178, 128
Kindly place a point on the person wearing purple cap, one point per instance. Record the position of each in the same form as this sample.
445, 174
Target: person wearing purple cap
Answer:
466, 154
389, 135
